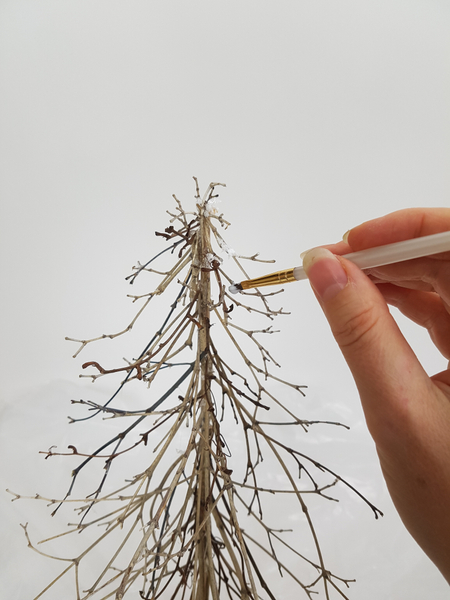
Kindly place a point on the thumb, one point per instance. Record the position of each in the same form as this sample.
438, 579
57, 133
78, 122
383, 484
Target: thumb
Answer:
385, 368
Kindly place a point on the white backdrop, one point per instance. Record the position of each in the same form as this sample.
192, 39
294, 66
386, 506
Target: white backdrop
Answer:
317, 116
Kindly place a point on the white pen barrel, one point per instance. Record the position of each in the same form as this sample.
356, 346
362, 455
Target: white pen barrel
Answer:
299, 273
400, 251
394, 253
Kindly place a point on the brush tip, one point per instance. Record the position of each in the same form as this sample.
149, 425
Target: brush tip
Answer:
235, 288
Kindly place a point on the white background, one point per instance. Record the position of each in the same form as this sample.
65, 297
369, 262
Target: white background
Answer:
317, 116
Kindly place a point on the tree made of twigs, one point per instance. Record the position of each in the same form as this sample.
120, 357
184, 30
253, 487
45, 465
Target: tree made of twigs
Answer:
193, 523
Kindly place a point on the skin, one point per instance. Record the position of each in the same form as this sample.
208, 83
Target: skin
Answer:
407, 411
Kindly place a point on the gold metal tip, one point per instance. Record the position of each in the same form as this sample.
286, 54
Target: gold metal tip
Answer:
277, 278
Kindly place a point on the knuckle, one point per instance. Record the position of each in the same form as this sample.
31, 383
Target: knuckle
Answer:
357, 329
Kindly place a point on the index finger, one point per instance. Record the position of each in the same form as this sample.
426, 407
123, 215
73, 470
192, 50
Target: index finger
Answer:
400, 225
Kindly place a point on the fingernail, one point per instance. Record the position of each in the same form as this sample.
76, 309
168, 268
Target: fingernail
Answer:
325, 272
345, 236
302, 254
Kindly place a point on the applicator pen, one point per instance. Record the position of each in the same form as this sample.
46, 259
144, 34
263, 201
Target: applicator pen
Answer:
364, 259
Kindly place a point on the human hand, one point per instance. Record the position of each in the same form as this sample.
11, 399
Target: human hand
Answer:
407, 412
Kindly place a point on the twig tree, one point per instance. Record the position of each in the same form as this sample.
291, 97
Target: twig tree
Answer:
192, 524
